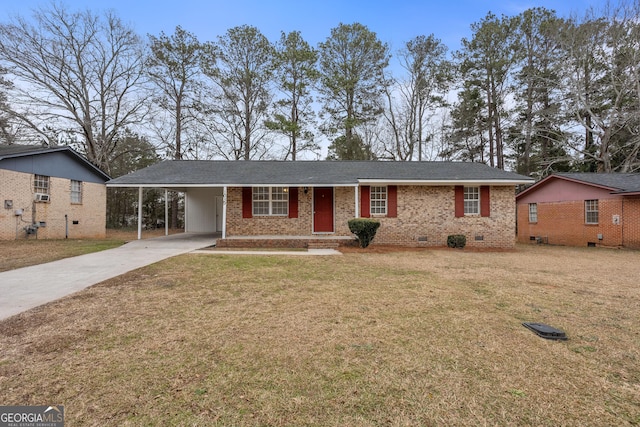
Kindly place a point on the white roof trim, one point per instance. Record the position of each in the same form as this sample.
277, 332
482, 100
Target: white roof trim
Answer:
445, 182
496, 182
159, 185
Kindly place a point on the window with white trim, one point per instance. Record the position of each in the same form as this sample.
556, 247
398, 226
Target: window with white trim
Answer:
471, 200
533, 212
270, 201
591, 211
76, 192
378, 200
41, 184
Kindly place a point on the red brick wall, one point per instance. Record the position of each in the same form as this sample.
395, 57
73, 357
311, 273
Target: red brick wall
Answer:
267, 225
425, 218
429, 213
631, 223
563, 223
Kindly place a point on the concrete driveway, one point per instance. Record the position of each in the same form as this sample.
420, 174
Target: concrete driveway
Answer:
30, 287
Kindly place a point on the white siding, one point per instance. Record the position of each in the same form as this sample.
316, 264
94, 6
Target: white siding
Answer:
201, 210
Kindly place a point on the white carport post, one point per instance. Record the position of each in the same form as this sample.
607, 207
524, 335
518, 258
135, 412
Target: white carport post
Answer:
357, 201
224, 212
186, 211
139, 213
166, 212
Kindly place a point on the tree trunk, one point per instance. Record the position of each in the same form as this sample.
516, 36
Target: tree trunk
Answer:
294, 133
490, 127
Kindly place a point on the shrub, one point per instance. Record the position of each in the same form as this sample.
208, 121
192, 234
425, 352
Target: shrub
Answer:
456, 241
365, 229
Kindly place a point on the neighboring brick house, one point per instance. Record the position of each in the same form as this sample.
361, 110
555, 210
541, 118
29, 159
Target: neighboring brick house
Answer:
306, 203
581, 209
50, 193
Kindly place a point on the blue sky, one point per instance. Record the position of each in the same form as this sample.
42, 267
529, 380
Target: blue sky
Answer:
395, 22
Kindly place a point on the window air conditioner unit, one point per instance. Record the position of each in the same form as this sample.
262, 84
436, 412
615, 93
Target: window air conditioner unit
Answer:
40, 197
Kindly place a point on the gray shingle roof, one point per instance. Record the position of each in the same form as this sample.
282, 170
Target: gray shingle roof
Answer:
187, 173
617, 182
16, 151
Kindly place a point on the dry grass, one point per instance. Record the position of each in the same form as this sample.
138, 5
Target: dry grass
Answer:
398, 339
23, 253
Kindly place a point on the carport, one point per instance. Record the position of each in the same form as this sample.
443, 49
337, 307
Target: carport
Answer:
204, 209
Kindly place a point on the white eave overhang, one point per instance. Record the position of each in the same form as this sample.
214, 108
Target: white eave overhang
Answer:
446, 182
212, 185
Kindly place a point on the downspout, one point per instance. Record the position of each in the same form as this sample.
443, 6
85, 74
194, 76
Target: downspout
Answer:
224, 212
66, 226
139, 213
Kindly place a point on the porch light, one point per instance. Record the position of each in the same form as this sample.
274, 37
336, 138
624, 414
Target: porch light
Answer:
306, 190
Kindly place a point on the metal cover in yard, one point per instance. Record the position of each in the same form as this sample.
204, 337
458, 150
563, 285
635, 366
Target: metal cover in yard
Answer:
546, 331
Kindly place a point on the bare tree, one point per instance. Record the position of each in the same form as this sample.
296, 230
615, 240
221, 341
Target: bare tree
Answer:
429, 76
601, 75
76, 72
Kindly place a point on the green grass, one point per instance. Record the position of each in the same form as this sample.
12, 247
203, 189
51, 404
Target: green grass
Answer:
424, 338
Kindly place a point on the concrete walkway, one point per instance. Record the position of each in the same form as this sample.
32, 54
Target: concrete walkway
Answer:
304, 252
29, 287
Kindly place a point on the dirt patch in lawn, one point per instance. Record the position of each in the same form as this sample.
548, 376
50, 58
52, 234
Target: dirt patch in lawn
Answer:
430, 337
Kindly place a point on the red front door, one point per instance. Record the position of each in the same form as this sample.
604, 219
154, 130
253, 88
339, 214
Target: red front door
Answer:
323, 210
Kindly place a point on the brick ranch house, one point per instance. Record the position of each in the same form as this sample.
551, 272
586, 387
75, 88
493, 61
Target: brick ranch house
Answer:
581, 209
306, 203
50, 193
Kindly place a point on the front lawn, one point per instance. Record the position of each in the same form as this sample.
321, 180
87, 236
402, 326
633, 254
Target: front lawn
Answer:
431, 337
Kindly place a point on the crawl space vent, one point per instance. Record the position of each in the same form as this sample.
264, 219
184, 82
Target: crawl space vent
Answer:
546, 331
